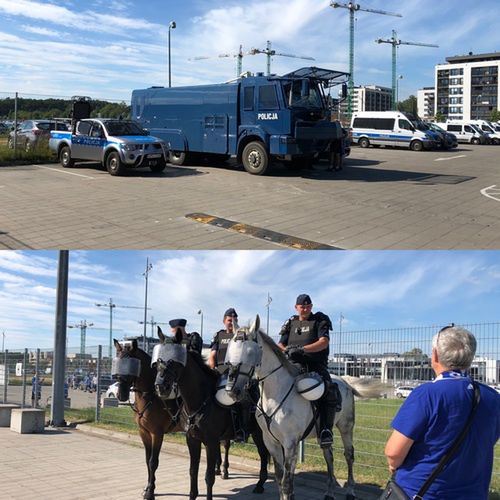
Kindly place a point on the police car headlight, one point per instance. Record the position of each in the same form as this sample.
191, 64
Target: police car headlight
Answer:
130, 147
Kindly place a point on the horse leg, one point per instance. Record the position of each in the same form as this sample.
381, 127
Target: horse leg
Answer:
218, 463
225, 467
346, 433
331, 482
211, 449
147, 442
157, 441
264, 459
290, 463
194, 447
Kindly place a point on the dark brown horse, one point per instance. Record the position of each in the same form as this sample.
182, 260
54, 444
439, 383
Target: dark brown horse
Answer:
207, 421
154, 417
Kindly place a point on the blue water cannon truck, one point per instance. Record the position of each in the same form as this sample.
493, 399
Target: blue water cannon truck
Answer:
256, 118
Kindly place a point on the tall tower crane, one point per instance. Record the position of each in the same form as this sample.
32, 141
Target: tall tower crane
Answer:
395, 42
239, 59
83, 325
153, 323
354, 7
271, 53
111, 306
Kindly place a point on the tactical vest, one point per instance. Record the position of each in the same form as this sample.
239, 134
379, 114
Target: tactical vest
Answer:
303, 333
191, 342
223, 339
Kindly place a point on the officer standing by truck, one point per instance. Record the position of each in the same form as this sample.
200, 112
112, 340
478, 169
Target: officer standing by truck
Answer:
305, 339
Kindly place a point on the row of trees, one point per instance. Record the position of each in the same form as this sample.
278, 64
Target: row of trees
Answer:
31, 109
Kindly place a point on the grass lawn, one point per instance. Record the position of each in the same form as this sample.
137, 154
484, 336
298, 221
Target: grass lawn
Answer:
39, 154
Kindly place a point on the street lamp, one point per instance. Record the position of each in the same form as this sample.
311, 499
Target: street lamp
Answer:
3, 340
268, 304
400, 77
200, 312
149, 266
171, 26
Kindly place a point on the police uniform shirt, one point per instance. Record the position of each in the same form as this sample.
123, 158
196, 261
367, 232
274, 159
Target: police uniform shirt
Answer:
219, 344
321, 325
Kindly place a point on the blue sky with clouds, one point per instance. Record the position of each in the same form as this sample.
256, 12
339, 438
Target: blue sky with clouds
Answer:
108, 48
372, 289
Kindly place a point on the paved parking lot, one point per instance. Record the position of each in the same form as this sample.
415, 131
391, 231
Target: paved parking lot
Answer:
383, 199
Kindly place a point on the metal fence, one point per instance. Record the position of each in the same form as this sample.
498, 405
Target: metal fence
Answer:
396, 356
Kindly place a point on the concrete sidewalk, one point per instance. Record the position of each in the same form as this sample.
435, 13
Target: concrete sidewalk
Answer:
89, 464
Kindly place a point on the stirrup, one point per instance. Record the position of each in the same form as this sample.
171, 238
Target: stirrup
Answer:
240, 436
325, 438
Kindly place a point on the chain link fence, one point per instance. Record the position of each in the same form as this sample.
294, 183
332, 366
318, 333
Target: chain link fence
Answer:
399, 357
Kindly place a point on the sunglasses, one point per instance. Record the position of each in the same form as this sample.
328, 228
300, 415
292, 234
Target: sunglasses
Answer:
442, 330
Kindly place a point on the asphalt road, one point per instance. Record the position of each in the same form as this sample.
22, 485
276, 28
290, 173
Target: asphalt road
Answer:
383, 199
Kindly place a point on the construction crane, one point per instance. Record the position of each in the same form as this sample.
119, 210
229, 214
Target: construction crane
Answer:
395, 42
153, 323
83, 325
354, 7
271, 53
239, 59
111, 306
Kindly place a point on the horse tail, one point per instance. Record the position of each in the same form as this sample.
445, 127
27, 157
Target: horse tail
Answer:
365, 387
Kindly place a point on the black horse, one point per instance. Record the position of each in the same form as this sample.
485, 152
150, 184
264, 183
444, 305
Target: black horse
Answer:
207, 421
154, 417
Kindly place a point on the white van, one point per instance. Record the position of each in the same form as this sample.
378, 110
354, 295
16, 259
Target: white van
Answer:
488, 129
465, 132
389, 128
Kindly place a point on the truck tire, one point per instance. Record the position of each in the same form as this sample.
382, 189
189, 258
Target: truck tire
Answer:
177, 157
10, 143
364, 142
159, 167
65, 157
416, 146
114, 164
475, 140
255, 158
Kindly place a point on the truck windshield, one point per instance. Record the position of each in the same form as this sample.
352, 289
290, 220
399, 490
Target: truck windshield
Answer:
302, 94
120, 127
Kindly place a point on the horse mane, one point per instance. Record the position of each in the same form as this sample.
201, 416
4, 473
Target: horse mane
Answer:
293, 370
198, 359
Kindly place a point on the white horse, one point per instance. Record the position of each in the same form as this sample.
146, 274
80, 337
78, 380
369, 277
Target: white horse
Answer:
286, 418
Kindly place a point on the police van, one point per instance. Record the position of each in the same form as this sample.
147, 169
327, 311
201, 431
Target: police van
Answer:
488, 128
389, 128
465, 131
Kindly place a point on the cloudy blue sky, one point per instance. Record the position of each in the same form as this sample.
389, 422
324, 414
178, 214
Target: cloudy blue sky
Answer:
373, 290
106, 48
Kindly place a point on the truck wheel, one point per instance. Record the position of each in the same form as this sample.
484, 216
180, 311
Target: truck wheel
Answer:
65, 157
364, 142
475, 140
28, 147
255, 158
10, 143
159, 167
416, 146
114, 164
177, 157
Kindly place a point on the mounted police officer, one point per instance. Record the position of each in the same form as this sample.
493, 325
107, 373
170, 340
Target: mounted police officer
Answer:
305, 339
192, 341
240, 412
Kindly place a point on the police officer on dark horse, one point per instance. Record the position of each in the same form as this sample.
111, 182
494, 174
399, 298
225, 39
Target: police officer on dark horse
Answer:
242, 412
192, 341
305, 339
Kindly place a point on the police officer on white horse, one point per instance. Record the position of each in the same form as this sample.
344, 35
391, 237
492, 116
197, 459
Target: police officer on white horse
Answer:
192, 341
241, 412
305, 338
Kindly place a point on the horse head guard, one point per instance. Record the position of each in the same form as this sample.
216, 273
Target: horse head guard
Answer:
242, 356
169, 358
125, 368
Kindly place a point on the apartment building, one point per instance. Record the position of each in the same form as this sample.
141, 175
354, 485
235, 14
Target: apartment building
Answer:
426, 101
467, 87
369, 98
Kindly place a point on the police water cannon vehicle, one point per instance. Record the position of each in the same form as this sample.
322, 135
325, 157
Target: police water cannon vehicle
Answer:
117, 144
256, 119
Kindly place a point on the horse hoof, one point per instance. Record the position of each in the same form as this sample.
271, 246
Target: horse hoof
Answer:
258, 489
225, 475
217, 472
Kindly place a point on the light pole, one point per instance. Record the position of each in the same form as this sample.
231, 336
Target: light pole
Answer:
3, 340
400, 77
269, 300
200, 312
149, 266
111, 306
171, 26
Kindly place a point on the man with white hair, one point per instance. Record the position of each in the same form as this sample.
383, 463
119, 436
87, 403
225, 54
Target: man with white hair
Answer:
434, 415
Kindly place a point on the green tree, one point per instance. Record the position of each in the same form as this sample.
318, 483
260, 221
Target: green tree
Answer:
415, 353
439, 117
408, 105
495, 115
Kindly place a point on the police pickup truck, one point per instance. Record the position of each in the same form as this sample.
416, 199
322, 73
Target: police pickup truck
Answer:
117, 144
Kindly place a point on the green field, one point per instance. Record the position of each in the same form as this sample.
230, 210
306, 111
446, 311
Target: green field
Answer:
39, 154
371, 431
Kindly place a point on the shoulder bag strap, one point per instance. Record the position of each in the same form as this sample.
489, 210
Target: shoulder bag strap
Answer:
453, 448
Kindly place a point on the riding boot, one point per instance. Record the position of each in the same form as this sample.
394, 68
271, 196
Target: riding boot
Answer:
328, 405
239, 432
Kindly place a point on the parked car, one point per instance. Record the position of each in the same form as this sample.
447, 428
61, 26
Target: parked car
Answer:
112, 392
4, 128
32, 133
403, 391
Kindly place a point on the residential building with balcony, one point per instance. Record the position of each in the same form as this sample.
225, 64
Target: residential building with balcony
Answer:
426, 100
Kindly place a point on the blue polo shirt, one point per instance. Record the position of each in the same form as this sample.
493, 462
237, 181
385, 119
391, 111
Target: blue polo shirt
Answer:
433, 416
